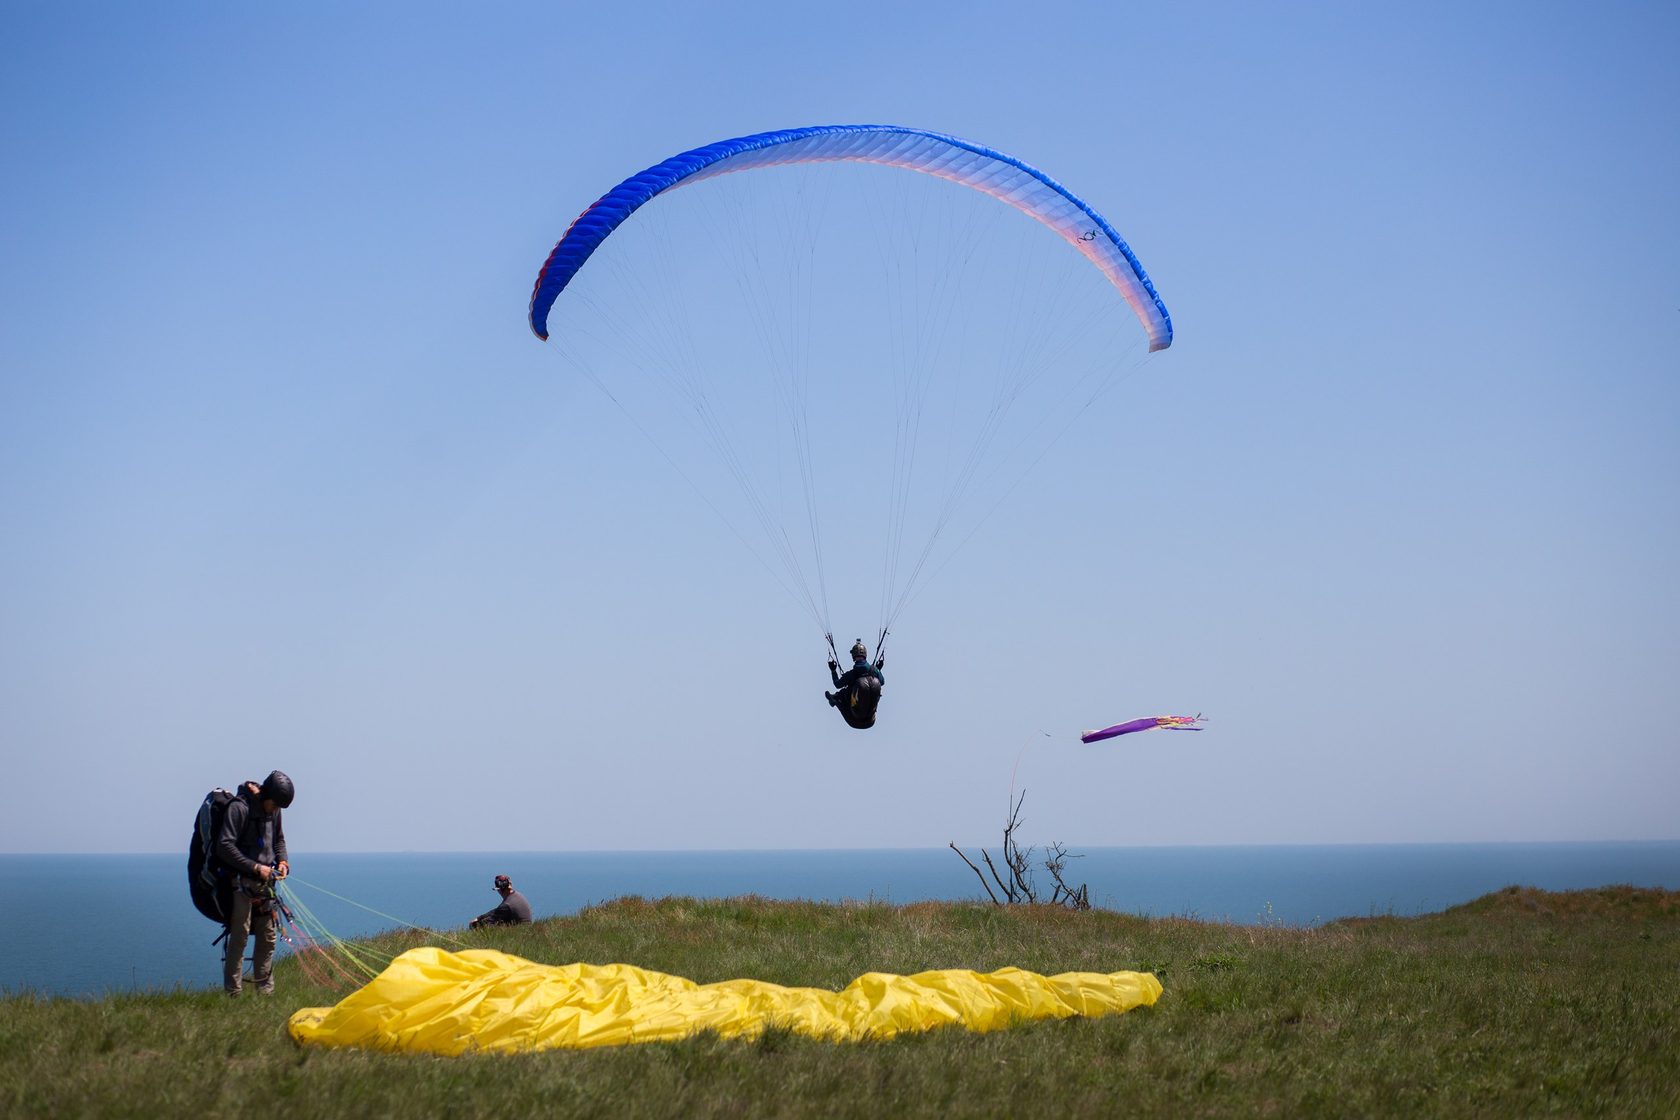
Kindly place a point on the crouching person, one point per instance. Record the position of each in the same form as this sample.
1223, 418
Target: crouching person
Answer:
514, 910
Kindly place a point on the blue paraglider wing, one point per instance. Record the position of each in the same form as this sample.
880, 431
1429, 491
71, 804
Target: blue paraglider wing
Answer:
1009, 180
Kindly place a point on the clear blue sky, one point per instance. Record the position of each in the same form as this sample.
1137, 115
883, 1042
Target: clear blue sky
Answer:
286, 482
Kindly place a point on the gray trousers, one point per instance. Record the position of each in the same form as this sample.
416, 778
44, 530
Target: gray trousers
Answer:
243, 920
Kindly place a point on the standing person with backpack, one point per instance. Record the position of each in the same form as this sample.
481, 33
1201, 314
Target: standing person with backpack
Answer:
252, 846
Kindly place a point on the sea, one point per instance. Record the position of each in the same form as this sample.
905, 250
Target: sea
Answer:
87, 925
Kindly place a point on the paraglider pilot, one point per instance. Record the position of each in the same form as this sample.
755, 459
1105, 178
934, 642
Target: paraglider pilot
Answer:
253, 844
857, 692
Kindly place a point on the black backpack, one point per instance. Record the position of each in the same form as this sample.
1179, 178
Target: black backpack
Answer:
212, 886
859, 702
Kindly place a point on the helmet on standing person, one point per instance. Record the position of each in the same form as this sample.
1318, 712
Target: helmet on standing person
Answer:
278, 789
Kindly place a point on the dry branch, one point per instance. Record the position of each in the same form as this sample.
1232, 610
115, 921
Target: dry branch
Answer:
1019, 886
976, 870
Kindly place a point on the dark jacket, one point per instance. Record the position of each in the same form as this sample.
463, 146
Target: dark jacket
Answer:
514, 911
858, 670
250, 836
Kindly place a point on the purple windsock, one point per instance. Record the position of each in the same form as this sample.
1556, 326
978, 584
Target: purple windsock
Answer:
1147, 723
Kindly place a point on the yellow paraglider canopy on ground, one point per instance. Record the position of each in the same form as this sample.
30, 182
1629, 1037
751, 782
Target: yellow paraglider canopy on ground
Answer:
436, 1002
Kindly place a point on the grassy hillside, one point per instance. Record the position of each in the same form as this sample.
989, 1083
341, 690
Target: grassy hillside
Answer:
1522, 1003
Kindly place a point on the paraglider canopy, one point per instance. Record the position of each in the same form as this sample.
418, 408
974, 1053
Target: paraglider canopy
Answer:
1005, 178
817, 303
